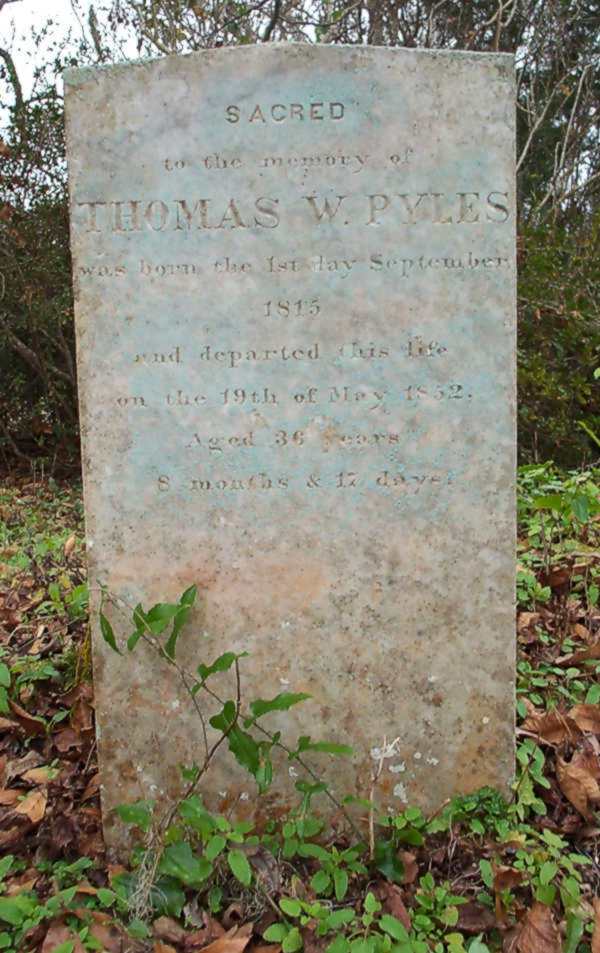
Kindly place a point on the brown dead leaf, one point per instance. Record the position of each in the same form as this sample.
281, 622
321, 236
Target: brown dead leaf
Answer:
17, 768
67, 739
539, 933
30, 725
586, 717
234, 941
210, 929
558, 577
60, 933
583, 655
552, 727
86, 888
25, 881
160, 947
392, 899
69, 546
98, 916
109, 936
580, 632
7, 725
10, 837
92, 787
596, 934
411, 869
578, 782
526, 620
266, 868
9, 796
165, 928
82, 716
38, 775
527, 623
505, 878
33, 806
474, 918
510, 939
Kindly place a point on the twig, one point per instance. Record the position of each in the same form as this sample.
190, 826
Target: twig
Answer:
374, 779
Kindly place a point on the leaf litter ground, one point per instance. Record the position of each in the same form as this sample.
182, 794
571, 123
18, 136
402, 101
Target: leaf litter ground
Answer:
479, 876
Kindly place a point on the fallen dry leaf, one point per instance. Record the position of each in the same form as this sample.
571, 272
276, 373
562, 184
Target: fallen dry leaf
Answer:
17, 768
587, 717
210, 929
558, 577
392, 899
38, 775
58, 934
266, 868
11, 836
66, 739
474, 918
109, 936
92, 787
7, 725
86, 888
505, 878
539, 933
30, 724
553, 727
10, 796
25, 881
580, 631
33, 806
510, 940
589, 652
596, 934
411, 869
578, 783
165, 928
527, 619
160, 947
234, 941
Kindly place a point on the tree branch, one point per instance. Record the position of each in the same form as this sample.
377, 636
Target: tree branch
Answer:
272, 22
14, 77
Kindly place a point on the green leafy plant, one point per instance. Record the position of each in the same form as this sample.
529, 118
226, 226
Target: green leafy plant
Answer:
243, 731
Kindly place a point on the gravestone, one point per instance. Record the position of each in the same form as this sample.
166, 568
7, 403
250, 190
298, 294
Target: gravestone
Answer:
294, 270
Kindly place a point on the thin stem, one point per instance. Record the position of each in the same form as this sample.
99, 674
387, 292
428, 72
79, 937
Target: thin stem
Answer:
185, 676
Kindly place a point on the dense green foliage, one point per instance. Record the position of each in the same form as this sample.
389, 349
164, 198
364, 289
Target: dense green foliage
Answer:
559, 342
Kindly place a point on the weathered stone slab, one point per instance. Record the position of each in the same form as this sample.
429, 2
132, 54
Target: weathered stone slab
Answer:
295, 281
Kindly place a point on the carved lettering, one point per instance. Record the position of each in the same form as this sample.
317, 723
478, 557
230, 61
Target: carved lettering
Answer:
283, 112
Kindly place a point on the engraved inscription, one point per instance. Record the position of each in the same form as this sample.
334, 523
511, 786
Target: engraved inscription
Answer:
284, 112
295, 278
